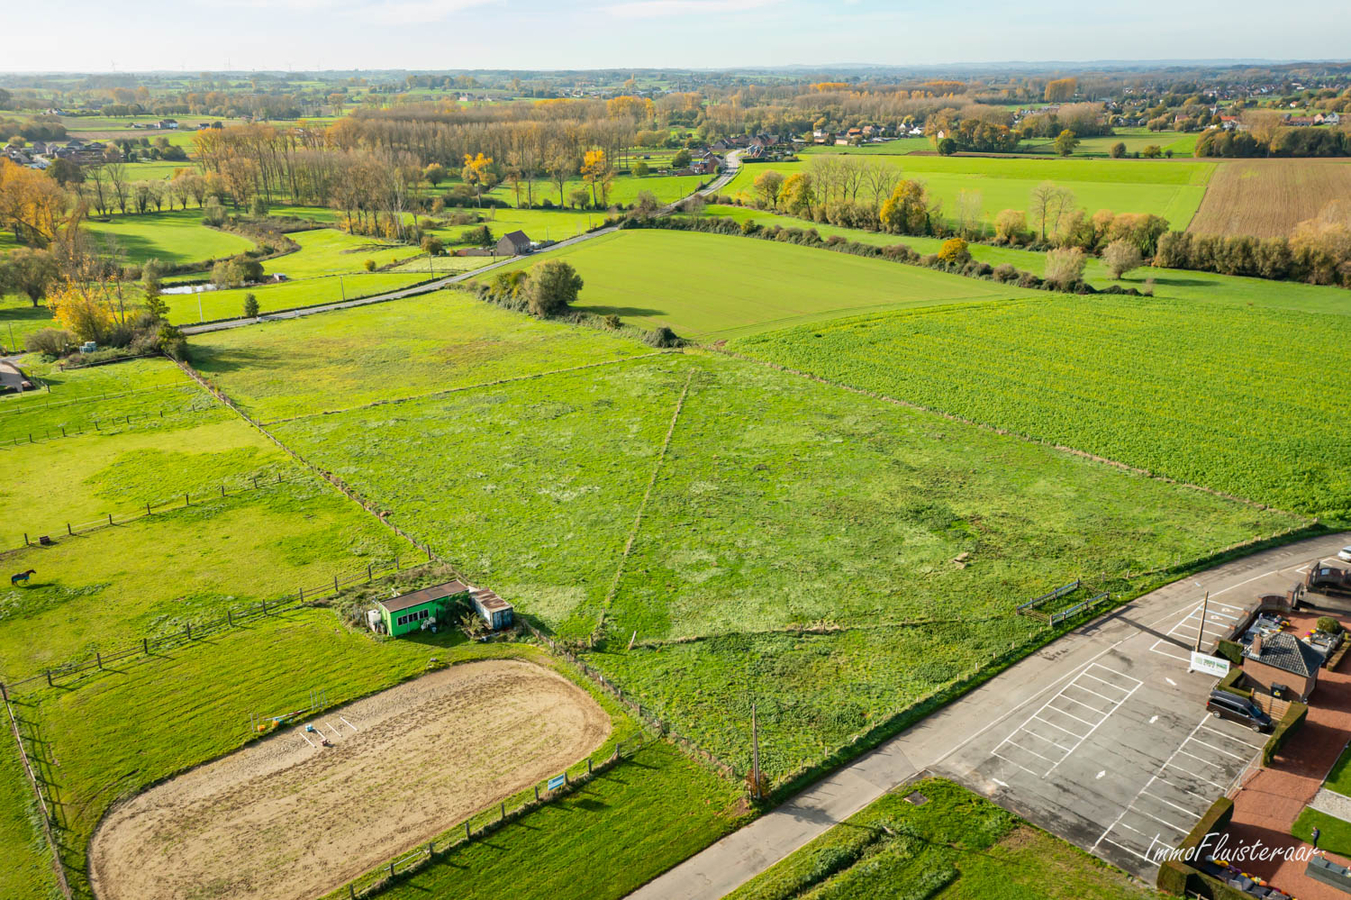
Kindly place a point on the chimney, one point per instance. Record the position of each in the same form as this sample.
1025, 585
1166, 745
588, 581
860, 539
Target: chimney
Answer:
1256, 649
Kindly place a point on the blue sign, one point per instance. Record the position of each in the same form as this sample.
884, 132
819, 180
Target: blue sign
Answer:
557, 782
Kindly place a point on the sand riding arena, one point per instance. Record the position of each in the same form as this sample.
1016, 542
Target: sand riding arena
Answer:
289, 818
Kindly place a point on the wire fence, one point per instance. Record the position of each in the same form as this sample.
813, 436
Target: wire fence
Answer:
94, 425
447, 843
35, 783
225, 489
24, 406
234, 617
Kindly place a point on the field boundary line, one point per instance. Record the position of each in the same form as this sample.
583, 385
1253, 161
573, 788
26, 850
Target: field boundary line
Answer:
984, 426
642, 508
469, 387
52, 845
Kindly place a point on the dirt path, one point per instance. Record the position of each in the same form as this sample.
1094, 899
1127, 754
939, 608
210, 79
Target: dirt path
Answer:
287, 821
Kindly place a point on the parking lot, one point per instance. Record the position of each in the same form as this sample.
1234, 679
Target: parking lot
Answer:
1118, 754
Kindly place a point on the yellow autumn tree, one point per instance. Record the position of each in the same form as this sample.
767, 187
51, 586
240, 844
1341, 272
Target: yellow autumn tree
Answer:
597, 172
626, 107
478, 173
82, 313
32, 205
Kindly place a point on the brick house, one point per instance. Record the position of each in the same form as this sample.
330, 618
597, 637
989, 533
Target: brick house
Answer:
1282, 660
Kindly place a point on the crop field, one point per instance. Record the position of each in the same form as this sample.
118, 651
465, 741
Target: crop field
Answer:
1171, 284
705, 596
745, 286
1169, 188
1269, 197
956, 846
475, 734
208, 306
435, 342
1169, 387
174, 238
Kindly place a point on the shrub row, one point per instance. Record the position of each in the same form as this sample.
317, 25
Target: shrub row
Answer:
1289, 724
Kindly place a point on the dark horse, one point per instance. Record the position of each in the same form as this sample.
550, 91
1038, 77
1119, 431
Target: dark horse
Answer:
22, 577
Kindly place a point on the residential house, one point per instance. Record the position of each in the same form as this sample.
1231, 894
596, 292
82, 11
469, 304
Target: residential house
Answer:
1281, 663
514, 243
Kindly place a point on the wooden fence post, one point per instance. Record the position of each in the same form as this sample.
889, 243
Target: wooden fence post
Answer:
110, 518
536, 793
335, 584
229, 618
98, 657
352, 892
369, 573
467, 835
189, 627
69, 530
49, 678
145, 646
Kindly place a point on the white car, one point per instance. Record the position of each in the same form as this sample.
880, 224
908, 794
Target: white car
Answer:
1344, 554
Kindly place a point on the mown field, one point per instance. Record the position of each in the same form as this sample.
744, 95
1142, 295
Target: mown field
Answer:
436, 342
1269, 197
174, 238
1234, 400
744, 286
1172, 284
20, 318
956, 846
1169, 188
208, 306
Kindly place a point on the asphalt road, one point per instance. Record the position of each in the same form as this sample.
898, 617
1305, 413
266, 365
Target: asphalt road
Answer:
1137, 759
431, 286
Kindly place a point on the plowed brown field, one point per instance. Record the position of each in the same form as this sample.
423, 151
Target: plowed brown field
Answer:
1269, 197
285, 820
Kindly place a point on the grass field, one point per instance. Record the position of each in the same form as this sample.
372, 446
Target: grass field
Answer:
602, 841
435, 342
327, 251
624, 190
25, 861
1136, 140
1269, 197
748, 482
1172, 284
20, 318
744, 286
1169, 188
1160, 385
207, 306
174, 238
956, 846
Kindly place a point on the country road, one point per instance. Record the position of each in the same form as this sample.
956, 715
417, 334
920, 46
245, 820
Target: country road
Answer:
956, 741
734, 165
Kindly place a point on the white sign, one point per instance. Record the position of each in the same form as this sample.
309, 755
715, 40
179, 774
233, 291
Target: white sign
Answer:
1211, 665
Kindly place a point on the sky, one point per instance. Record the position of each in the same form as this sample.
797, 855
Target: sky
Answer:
199, 35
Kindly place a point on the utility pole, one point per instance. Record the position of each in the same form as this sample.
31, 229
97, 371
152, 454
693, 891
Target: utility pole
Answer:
1201, 629
755, 755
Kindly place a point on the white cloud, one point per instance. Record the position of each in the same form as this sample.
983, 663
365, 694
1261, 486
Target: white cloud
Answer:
412, 12
655, 9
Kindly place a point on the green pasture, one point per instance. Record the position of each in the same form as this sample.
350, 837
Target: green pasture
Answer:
1175, 284
20, 318
624, 189
25, 860
174, 238
207, 306
122, 730
602, 841
893, 147
539, 224
1183, 144
743, 286
955, 846
435, 342
429, 266
913, 574
529, 486
1169, 188
156, 170
1231, 398
327, 251
746, 540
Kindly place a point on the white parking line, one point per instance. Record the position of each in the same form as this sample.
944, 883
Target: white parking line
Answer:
1216, 749
1075, 718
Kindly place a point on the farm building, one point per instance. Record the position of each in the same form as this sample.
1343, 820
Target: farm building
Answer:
494, 610
514, 243
1282, 661
408, 612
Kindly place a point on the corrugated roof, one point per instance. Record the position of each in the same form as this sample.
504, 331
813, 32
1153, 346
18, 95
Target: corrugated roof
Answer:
490, 601
1289, 654
426, 595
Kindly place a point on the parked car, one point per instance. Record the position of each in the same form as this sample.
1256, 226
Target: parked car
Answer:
1344, 554
1224, 705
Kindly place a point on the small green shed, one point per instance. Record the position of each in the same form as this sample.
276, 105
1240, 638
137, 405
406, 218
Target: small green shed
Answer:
408, 612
